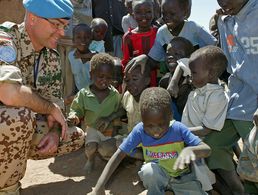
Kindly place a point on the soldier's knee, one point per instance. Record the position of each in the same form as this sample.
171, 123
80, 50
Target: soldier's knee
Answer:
22, 118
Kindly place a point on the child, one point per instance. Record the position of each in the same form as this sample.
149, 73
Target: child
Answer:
163, 142
175, 14
238, 38
93, 102
205, 112
178, 51
80, 66
128, 21
140, 40
135, 82
99, 29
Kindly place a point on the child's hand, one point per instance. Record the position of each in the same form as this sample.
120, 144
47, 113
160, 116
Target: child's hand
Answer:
102, 124
135, 62
173, 89
255, 118
185, 157
73, 121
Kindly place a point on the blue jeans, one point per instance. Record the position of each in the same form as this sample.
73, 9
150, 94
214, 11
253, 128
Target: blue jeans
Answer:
157, 181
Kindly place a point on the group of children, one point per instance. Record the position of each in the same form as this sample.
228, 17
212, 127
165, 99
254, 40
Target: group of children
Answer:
199, 101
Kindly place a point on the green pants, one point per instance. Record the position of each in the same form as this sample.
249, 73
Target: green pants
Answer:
221, 143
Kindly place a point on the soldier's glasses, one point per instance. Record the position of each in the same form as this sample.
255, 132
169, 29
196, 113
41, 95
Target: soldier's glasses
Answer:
56, 24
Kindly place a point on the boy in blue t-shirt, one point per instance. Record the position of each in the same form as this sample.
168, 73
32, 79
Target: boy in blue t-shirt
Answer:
163, 142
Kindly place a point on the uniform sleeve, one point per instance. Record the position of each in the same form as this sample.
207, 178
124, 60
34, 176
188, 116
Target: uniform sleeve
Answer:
77, 106
8, 50
10, 74
216, 111
132, 141
8, 54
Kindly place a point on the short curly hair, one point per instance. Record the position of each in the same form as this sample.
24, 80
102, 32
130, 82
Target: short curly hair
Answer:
83, 26
136, 2
98, 21
155, 99
184, 4
189, 48
101, 59
213, 57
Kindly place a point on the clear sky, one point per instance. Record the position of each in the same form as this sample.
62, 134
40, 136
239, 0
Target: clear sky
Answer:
202, 10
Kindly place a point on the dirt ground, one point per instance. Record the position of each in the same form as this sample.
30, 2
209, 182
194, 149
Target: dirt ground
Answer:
11, 10
64, 175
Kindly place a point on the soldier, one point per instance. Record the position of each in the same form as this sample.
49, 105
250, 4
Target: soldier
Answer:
30, 47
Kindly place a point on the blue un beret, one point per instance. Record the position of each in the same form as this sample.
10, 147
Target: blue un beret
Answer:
49, 8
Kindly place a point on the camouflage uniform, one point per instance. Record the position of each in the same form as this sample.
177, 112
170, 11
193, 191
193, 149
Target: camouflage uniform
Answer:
20, 132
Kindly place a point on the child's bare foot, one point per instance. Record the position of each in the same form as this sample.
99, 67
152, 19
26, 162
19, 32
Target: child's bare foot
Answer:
88, 167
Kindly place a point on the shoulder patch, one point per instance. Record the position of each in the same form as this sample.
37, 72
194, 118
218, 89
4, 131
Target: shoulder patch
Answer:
7, 54
7, 26
4, 37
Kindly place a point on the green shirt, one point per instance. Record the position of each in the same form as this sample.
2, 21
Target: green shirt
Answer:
86, 105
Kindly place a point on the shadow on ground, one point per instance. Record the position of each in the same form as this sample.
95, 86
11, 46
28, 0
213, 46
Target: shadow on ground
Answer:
125, 180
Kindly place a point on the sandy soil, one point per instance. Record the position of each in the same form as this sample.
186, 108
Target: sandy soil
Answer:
64, 175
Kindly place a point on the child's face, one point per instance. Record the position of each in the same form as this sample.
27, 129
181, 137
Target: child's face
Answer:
99, 32
102, 77
231, 7
136, 82
129, 7
143, 14
82, 39
156, 122
199, 72
175, 52
172, 13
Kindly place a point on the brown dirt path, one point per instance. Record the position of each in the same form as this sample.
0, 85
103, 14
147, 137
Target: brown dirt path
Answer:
64, 175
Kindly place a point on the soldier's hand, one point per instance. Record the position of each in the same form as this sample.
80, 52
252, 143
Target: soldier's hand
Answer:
56, 115
135, 62
49, 143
